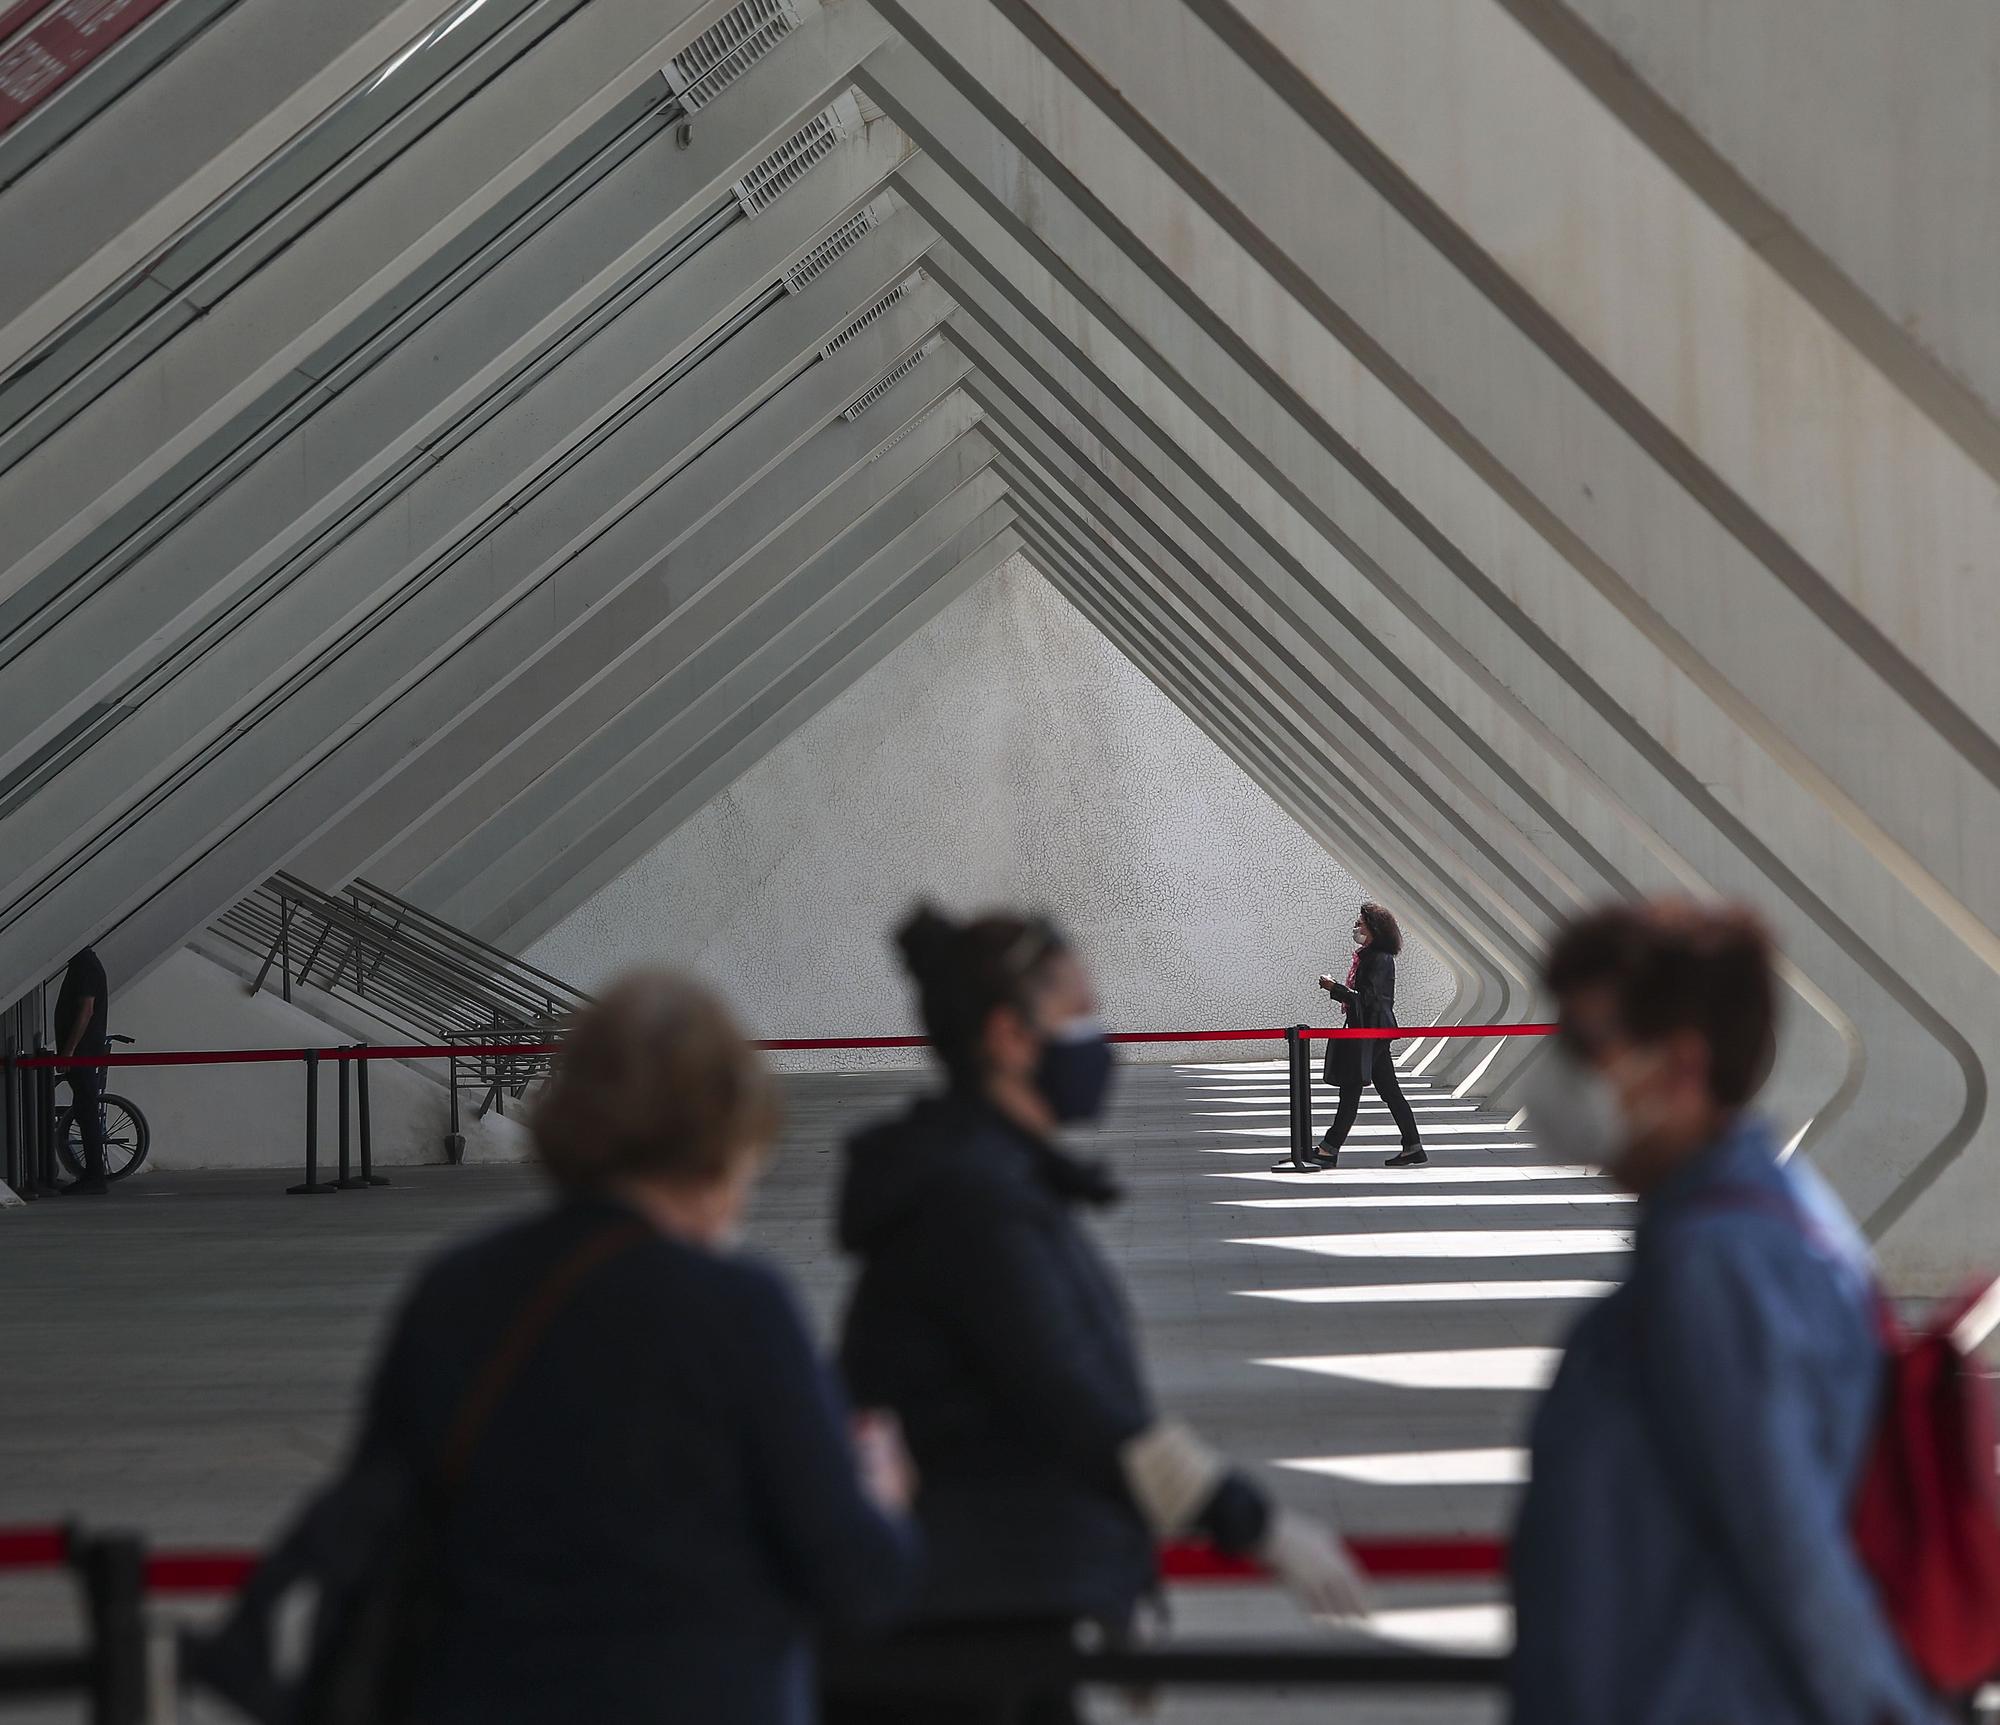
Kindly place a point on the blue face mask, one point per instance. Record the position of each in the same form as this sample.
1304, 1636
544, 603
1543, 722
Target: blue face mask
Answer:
1074, 1074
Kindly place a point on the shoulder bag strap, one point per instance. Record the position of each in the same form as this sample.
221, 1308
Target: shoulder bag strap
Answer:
523, 1336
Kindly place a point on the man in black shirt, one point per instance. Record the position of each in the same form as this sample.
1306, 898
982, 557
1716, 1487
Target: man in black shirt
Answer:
81, 1009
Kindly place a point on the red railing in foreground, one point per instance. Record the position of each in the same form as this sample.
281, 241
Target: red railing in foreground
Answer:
776, 1045
221, 1571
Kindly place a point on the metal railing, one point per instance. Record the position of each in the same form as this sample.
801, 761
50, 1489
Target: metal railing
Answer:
525, 1053
121, 1648
405, 968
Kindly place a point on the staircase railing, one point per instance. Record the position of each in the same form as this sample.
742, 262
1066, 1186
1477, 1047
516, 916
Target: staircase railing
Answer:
407, 969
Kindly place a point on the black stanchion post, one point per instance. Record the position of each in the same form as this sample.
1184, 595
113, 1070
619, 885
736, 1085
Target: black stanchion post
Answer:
10, 1122
1306, 1144
368, 1175
113, 1570
1295, 1047
43, 1150
347, 1181
312, 1183
454, 1144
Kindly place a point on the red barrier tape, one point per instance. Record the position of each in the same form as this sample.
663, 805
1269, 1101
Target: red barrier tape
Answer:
785, 1045
1385, 1559
198, 1571
1426, 1033
33, 1547
193, 1057
181, 1572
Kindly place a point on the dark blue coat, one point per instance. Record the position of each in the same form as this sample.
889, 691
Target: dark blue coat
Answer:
987, 1319
662, 1506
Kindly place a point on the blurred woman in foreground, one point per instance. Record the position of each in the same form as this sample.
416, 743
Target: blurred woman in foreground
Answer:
648, 1491
988, 1320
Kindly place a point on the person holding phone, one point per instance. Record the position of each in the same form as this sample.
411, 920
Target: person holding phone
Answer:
1368, 997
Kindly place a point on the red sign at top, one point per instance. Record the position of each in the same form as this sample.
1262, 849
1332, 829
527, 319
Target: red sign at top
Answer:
38, 61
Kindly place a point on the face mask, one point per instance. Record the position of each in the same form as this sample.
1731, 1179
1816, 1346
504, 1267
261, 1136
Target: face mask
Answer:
1573, 1112
1074, 1074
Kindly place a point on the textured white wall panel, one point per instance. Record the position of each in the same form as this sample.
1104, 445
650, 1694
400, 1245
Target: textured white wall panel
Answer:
1005, 753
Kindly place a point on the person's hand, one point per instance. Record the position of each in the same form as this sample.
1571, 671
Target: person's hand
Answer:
1315, 1566
1326, 982
888, 1475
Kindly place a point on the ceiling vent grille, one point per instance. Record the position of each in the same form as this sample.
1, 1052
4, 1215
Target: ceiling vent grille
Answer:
888, 381
870, 315
728, 48
836, 245
796, 157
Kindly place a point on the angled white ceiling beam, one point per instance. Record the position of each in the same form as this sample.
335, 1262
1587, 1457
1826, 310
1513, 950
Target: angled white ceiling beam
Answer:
112, 195
383, 408
799, 683
807, 574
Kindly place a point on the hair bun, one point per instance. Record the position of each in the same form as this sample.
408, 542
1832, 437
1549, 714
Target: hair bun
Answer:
928, 941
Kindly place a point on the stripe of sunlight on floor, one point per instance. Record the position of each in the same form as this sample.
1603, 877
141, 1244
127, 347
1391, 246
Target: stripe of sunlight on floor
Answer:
1432, 1293
1386, 1129
1430, 1201
1374, 1144
1457, 1628
1436, 1368
1422, 1467
1434, 1175
1459, 1243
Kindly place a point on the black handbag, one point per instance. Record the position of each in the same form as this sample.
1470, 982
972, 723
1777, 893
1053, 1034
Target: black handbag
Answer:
1349, 1062
334, 1626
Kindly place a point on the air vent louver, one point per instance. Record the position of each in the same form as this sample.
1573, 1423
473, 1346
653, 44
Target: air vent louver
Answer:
870, 315
796, 157
728, 48
888, 381
836, 245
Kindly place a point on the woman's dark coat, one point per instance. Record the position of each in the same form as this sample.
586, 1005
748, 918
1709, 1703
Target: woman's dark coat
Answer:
660, 1511
1371, 1005
987, 1319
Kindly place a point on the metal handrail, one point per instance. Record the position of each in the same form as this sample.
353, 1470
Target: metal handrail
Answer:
444, 931
412, 971
393, 960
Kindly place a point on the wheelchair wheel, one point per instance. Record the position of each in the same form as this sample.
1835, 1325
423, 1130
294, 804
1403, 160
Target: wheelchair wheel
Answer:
127, 1138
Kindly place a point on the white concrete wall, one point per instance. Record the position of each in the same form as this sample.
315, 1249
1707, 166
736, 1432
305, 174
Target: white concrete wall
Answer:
1870, 124
254, 1116
1005, 753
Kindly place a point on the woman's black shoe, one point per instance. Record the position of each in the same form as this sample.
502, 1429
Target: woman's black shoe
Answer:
1411, 1156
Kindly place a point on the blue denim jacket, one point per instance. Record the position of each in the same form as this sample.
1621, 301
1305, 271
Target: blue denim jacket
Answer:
1682, 1556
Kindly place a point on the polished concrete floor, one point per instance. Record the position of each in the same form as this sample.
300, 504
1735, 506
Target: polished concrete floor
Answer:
183, 1356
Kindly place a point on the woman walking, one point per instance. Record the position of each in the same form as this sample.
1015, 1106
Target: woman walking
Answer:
648, 1498
1369, 997
987, 1319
